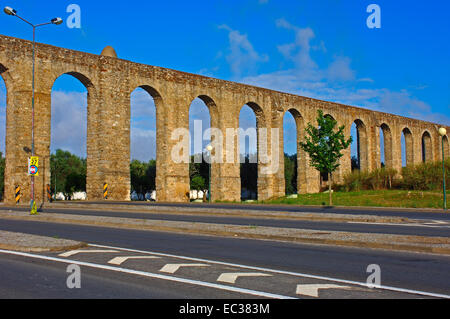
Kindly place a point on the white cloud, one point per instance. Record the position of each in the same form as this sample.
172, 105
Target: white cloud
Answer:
142, 126
69, 122
242, 57
340, 70
337, 81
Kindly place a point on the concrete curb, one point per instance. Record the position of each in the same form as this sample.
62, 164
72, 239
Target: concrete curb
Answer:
33, 243
206, 211
440, 245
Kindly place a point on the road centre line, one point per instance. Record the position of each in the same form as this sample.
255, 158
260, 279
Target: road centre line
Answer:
344, 281
150, 275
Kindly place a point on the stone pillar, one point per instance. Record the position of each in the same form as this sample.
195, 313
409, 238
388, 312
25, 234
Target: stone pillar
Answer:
372, 143
94, 177
226, 180
176, 175
279, 180
268, 137
19, 127
397, 149
112, 146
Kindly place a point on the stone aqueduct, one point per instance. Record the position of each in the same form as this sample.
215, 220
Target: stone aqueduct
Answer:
110, 81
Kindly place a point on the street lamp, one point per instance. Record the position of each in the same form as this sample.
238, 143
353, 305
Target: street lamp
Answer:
443, 132
56, 21
209, 149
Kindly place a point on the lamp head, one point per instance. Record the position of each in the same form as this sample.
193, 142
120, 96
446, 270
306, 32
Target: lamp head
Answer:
57, 21
209, 148
10, 11
442, 131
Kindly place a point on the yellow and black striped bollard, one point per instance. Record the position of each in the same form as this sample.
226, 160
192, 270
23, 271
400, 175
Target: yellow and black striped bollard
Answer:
18, 195
49, 194
105, 191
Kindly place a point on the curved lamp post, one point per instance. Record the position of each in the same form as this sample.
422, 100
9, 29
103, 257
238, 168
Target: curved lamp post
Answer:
56, 21
443, 132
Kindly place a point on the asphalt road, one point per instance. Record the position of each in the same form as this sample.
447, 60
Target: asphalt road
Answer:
409, 213
421, 272
424, 228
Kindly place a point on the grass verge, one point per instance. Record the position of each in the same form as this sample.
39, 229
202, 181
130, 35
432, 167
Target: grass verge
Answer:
381, 198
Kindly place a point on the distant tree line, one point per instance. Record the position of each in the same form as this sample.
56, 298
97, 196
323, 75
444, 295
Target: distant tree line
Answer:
68, 173
143, 176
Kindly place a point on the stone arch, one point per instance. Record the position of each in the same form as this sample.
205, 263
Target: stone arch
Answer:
160, 139
199, 141
362, 145
300, 155
93, 186
408, 146
387, 139
446, 147
253, 164
213, 112
427, 148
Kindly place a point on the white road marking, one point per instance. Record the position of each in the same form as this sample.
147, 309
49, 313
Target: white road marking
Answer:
172, 268
313, 290
120, 260
232, 276
77, 251
151, 275
290, 273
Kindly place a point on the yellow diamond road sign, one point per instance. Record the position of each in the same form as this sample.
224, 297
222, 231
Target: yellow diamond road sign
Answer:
33, 166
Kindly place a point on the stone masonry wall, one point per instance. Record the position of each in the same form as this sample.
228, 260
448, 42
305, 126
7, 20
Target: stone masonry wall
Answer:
110, 81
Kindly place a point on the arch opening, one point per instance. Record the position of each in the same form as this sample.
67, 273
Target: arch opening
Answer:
427, 149
407, 147
200, 165
292, 126
446, 147
249, 122
386, 159
359, 153
68, 136
143, 150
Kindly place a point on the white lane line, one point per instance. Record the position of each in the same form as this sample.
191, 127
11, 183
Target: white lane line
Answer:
151, 275
313, 290
232, 276
290, 273
121, 260
77, 251
172, 268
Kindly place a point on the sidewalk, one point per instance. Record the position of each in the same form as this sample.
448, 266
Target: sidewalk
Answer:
440, 245
224, 212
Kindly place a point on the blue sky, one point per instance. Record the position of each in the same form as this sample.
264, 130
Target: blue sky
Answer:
321, 49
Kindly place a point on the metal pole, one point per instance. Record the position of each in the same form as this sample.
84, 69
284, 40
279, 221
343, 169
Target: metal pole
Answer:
209, 179
443, 174
32, 113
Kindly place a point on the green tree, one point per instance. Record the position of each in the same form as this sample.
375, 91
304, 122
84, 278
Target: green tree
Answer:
2, 176
143, 176
68, 172
324, 145
290, 173
198, 183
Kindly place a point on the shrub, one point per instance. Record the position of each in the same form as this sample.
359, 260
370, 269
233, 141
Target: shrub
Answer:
424, 176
